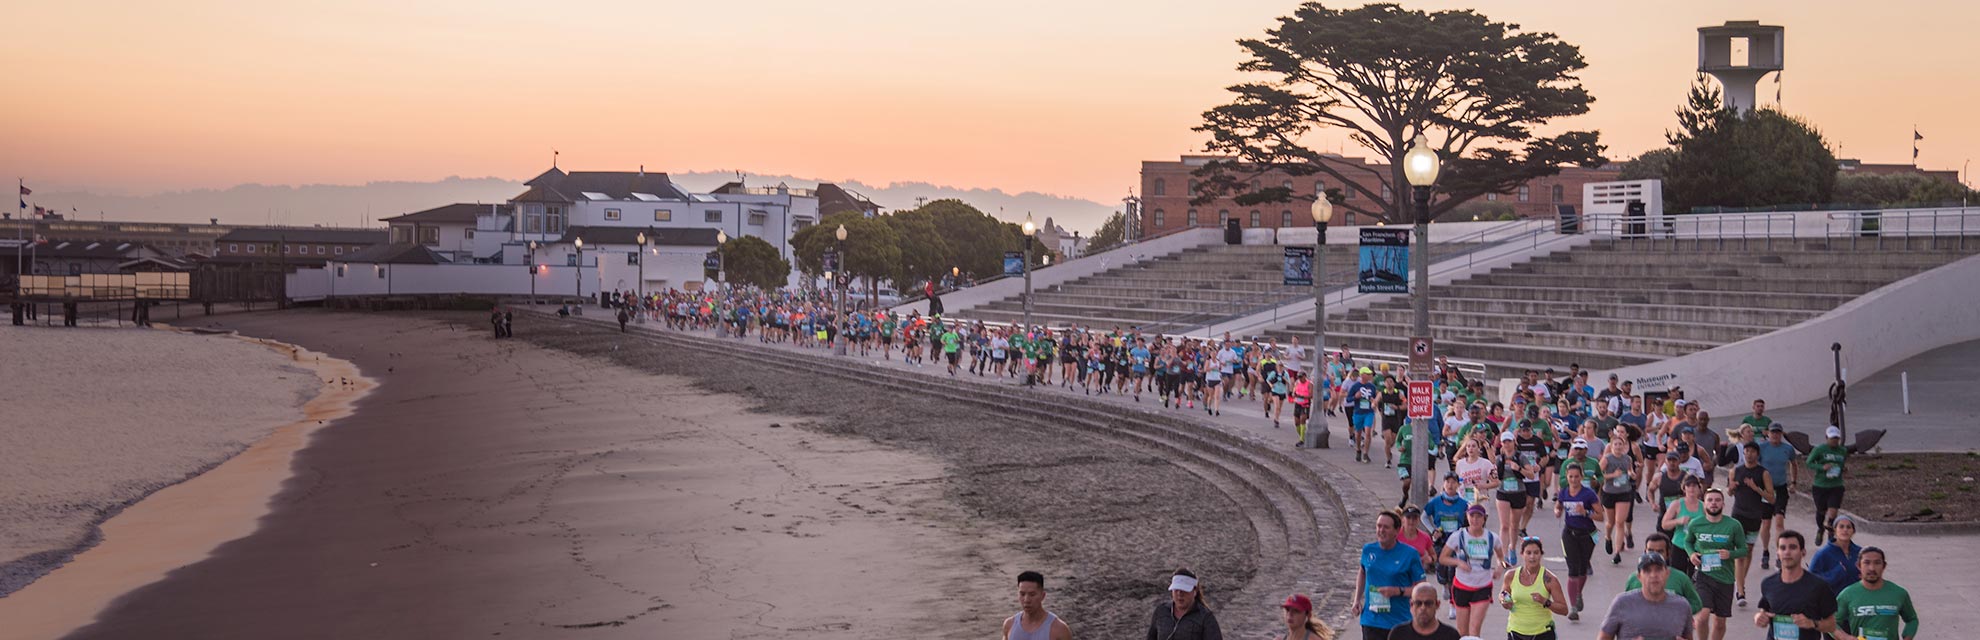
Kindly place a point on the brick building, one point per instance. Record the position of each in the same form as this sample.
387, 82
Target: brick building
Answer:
1167, 187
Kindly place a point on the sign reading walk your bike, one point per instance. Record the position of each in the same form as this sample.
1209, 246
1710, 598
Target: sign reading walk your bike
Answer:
1384, 261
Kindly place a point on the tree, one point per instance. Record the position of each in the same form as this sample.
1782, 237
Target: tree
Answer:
872, 248
1758, 158
1900, 190
1480, 209
975, 240
1652, 165
749, 260
1111, 234
924, 254
1384, 75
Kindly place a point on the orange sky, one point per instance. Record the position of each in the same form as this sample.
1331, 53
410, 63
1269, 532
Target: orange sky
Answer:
1062, 97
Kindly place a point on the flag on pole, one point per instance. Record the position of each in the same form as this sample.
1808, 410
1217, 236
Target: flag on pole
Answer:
1916, 136
26, 191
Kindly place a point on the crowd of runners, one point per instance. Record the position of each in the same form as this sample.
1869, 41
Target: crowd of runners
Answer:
1592, 457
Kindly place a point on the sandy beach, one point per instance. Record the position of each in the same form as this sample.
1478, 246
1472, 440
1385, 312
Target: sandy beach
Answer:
97, 419
500, 488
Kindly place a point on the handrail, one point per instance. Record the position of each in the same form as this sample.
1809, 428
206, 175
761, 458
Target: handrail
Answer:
1472, 368
1878, 224
1699, 228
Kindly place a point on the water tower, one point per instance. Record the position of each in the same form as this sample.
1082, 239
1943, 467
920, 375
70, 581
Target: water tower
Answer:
1740, 53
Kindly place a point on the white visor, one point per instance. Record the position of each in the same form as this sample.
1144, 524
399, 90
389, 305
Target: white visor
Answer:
1182, 583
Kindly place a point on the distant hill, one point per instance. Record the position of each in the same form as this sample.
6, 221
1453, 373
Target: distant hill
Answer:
363, 205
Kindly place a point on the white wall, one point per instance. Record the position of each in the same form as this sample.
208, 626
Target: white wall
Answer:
364, 279
1794, 365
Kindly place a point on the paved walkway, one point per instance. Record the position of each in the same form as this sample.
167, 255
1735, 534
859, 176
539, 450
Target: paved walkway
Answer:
1945, 411
1937, 570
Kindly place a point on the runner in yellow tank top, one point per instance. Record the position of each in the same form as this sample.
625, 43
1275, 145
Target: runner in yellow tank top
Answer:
1532, 594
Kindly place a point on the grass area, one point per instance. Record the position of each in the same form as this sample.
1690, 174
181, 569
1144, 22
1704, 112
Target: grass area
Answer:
1915, 487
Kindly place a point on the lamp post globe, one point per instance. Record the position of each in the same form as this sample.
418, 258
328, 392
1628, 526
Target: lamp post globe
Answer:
1421, 166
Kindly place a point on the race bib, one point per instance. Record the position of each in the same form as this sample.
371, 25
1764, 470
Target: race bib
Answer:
1478, 549
1377, 603
1709, 561
1402, 472
1785, 629
1577, 509
1470, 495
1388, 410
1509, 485
1447, 523
1835, 472
1585, 482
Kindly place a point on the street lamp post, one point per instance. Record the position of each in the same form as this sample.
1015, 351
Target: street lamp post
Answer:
1316, 416
531, 259
578, 276
1420, 166
839, 247
721, 261
1030, 230
640, 289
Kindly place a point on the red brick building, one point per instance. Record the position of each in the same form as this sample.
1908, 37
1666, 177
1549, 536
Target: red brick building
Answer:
1167, 187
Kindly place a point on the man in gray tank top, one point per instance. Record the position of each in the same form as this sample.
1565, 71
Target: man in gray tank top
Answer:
1033, 622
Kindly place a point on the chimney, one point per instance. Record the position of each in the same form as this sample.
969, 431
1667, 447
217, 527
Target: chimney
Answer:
213, 221
642, 171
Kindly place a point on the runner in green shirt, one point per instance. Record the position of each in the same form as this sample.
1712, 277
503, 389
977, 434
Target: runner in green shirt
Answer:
952, 349
1715, 542
1826, 462
1759, 419
1874, 609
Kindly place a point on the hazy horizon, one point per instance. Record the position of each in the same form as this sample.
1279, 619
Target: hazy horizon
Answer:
1049, 98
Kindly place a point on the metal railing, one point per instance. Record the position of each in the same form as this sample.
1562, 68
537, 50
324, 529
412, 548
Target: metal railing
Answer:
1905, 224
1716, 229
1472, 369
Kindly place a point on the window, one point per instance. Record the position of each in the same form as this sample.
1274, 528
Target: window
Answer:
401, 234
469, 231
553, 219
75, 268
1319, 187
757, 216
663, 215
340, 270
1160, 189
380, 270
1159, 222
533, 219
1191, 220
1254, 185
1255, 218
1285, 218
1347, 192
1223, 218
319, 249
1557, 193
1491, 197
1525, 193
429, 236
800, 224
611, 214
1192, 188
1287, 185
339, 250
712, 215
251, 248
1386, 194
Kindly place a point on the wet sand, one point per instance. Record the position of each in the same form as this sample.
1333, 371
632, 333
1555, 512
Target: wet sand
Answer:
494, 488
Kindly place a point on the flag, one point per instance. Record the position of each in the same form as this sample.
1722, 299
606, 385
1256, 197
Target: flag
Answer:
38, 211
26, 191
1915, 135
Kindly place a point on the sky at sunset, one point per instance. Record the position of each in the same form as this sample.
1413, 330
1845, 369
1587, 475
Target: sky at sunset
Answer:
1060, 97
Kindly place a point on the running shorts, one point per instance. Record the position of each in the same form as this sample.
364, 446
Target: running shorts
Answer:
1610, 500
1752, 527
954, 356
1464, 597
1713, 596
1780, 499
1515, 500
1827, 498
1359, 420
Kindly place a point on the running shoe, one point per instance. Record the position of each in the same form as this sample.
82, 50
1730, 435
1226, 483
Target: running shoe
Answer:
1609, 546
1766, 560
1742, 601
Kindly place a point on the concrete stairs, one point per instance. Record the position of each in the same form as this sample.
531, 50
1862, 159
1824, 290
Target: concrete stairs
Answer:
1190, 288
1616, 303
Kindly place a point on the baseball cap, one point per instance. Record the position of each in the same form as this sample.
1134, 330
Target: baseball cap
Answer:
1298, 602
1367, 370
1476, 508
1651, 559
1682, 402
1834, 431
1507, 436
1580, 443
1777, 427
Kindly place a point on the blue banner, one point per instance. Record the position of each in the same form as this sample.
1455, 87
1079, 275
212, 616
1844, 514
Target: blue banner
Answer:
1299, 266
1013, 263
1384, 266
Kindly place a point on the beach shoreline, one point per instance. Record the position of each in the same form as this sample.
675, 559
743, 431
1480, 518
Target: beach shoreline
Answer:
137, 542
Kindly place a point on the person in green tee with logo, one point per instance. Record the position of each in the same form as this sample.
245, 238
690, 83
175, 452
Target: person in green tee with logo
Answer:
1715, 541
952, 348
1874, 608
1759, 418
1826, 462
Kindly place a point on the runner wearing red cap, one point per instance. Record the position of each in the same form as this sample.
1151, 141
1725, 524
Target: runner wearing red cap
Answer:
1300, 623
